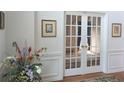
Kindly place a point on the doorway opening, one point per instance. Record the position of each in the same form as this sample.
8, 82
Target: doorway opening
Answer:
82, 43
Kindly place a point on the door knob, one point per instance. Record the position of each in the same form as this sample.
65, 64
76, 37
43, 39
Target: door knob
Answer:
84, 46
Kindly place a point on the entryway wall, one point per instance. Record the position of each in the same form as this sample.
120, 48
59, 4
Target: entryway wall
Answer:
115, 44
2, 42
23, 26
26, 25
53, 59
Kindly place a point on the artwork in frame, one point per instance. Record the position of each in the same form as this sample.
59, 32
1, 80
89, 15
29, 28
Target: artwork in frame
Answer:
116, 29
48, 28
2, 19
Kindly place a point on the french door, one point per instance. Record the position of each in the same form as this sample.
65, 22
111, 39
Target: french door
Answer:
82, 44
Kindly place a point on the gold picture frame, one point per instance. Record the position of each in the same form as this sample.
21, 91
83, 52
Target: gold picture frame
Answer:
48, 28
116, 29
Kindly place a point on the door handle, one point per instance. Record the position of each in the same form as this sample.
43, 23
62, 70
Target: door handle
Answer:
84, 46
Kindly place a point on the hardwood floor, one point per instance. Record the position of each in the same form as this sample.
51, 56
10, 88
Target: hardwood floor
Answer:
119, 75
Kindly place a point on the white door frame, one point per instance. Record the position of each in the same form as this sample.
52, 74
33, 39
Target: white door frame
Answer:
104, 35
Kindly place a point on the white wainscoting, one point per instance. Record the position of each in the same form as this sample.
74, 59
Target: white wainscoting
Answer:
52, 66
115, 61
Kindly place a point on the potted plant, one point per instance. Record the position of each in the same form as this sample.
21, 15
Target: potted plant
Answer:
24, 67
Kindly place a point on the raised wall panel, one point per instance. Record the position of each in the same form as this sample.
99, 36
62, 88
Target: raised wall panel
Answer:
115, 61
52, 67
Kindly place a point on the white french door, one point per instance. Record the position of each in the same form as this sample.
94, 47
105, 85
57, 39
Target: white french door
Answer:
82, 44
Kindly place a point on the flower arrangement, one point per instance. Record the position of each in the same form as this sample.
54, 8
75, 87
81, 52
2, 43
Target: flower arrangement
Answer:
23, 67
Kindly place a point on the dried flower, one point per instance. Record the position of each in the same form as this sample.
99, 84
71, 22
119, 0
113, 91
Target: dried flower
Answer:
29, 50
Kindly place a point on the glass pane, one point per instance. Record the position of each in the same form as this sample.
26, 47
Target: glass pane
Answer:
67, 41
73, 20
78, 63
93, 29
88, 63
98, 60
78, 52
99, 29
93, 36
88, 42
89, 21
67, 65
79, 30
72, 63
74, 30
89, 31
93, 49
67, 30
98, 39
78, 41
94, 21
68, 19
79, 20
74, 41
99, 21
67, 52
93, 61
73, 52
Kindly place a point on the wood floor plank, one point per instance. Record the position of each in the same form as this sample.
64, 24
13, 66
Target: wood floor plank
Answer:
119, 75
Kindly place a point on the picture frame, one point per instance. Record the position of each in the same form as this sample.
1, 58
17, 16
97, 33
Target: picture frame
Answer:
2, 20
116, 29
48, 28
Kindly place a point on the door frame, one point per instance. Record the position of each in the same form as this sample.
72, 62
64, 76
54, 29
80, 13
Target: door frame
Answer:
104, 38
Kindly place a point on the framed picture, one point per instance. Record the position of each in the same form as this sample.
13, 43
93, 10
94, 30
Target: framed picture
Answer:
2, 19
48, 28
116, 29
